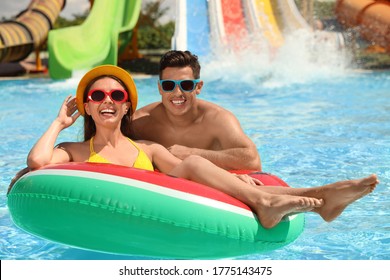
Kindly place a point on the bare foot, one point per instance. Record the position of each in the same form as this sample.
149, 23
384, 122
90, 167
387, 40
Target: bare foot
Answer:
339, 195
275, 207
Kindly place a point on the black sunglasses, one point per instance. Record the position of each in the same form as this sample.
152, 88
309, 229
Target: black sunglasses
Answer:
185, 85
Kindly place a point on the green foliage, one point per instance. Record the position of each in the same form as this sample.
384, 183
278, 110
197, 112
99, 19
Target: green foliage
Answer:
151, 13
324, 9
321, 8
78, 19
152, 34
155, 38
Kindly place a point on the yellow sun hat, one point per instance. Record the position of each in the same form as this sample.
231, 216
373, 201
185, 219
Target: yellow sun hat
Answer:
103, 70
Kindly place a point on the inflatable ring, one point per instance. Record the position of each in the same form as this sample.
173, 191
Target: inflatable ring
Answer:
121, 210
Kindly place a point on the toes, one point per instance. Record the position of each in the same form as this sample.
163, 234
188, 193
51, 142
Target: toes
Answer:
319, 202
316, 202
306, 202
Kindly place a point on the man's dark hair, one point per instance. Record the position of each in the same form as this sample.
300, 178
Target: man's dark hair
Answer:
180, 59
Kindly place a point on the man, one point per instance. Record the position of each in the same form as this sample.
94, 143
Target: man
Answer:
186, 125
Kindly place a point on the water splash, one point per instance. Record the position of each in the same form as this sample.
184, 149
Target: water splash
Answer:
306, 56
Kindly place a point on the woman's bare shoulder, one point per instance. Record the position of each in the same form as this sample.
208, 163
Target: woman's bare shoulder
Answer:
72, 145
77, 151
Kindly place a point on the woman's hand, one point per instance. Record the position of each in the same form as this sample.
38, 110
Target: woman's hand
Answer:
67, 116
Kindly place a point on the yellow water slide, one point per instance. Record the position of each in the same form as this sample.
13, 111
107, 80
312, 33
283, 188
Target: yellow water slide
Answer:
28, 30
268, 23
273, 18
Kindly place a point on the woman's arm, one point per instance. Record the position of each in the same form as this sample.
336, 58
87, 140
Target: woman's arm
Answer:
43, 151
160, 156
166, 162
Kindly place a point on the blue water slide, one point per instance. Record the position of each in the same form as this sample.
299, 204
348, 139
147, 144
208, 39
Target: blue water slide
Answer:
192, 27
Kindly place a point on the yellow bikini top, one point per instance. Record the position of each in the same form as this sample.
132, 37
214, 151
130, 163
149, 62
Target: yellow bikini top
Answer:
142, 161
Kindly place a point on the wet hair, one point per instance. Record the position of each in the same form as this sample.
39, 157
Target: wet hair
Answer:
180, 59
89, 123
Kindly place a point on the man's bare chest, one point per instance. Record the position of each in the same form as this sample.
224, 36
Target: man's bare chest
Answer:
194, 137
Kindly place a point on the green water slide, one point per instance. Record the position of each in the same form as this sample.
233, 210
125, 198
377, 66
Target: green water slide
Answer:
95, 41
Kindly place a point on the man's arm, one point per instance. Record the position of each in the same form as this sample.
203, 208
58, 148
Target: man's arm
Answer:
229, 159
236, 151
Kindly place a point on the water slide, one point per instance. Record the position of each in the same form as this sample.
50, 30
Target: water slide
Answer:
262, 20
95, 41
289, 16
28, 30
203, 25
372, 17
192, 28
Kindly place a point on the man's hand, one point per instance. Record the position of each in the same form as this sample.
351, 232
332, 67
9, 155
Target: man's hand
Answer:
179, 151
249, 180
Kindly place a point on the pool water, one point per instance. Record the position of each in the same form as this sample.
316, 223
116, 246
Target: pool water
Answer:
310, 130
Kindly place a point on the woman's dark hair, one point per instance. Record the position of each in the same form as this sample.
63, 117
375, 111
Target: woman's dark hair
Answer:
180, 59
89, 124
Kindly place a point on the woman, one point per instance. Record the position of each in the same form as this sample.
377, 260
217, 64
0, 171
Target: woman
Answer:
107, 97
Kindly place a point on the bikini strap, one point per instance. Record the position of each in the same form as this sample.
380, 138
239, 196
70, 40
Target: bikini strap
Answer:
134, 144
91, 150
